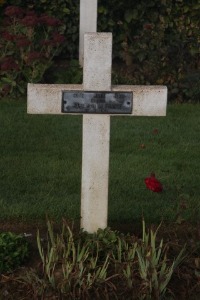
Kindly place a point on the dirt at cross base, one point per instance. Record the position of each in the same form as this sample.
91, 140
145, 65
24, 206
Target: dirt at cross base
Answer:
185, 284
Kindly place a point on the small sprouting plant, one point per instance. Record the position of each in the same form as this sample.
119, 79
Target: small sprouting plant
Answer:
103, 265
71, 266
28, 43
13, 251
154, 267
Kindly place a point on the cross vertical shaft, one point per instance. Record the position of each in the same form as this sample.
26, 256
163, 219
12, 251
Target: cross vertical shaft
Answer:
96, 134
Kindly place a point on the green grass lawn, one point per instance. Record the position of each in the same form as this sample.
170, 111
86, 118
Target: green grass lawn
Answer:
40, 165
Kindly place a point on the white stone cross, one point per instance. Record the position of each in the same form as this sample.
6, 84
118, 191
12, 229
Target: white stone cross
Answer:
49, 99
88, 23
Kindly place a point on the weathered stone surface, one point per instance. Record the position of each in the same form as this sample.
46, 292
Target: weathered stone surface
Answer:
88, 23
147, 100
95, 170
97, 65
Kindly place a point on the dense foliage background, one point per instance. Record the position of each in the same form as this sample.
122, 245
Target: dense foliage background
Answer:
158, 40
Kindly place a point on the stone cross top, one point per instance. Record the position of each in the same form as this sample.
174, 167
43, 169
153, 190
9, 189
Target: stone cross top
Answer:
96, 100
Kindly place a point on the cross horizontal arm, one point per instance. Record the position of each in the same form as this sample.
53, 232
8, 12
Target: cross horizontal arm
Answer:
47, 98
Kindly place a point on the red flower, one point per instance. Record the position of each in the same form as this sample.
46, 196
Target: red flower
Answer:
30, 20
55, 40
13, 11
33, 56
47, 42
22, 42
153, 184
58, 38
7, 36
8, 64
49, 21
